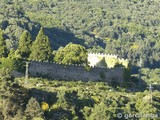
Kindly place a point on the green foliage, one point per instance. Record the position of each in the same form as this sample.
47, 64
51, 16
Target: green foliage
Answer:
7, 63
87, 67
99, 112
111, 26
14, 99
151, 76
5, 74
87, 100
12, 64
146, 107
86, 111
41, 49
71, 54
3, 49
25, 44
14, 54
126, 31
33, 109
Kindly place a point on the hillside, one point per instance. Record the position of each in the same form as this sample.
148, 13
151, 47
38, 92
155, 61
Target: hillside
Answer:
69, 100
129, 28
57, 37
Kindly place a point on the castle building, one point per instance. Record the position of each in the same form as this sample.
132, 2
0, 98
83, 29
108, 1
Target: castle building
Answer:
103, 68
106, 60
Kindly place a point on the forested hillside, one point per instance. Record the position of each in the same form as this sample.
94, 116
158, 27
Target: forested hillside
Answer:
129, 28
64, 32
41, 99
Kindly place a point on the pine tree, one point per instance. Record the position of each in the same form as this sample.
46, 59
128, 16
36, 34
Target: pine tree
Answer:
3, 49
41, 49
25, 44
33, 109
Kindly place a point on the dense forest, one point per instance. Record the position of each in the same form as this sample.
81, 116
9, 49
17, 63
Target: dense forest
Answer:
129, 28
64, 31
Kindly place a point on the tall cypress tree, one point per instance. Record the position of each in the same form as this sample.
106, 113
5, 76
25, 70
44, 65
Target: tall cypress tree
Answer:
3, 48
41, 49
25, 44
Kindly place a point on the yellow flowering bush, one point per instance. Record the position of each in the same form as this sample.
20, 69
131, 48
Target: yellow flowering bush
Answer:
44, 106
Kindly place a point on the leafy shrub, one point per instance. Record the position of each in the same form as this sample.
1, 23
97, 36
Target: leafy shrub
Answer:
44, 106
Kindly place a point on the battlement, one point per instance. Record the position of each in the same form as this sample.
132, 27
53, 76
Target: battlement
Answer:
103, 55
97, 58
101, 60
76, 65
106, 55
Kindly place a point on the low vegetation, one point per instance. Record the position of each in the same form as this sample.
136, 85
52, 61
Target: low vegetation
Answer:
52, 99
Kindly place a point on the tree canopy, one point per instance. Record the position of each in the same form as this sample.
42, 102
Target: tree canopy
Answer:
129, 28
41, 49
71, 54
25, 44
33, 109
3, 48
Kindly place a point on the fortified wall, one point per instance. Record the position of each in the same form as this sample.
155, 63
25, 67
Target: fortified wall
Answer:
74, 72
106, 60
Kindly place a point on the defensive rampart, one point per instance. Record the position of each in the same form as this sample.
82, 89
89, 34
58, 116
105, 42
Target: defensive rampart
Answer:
73, 72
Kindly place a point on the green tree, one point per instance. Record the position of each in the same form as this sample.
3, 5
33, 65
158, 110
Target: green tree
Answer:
41, 49
33, 109
3, 49
7, 63
71, 54
5, 74
13, 61
25, 44
14, 98
99, 112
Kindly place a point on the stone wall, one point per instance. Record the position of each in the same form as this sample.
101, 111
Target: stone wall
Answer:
72, 72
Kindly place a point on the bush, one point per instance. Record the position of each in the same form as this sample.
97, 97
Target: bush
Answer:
44, 106
5, 74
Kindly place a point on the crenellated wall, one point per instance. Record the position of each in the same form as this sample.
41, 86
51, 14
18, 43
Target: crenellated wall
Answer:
108, 60
74, 72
